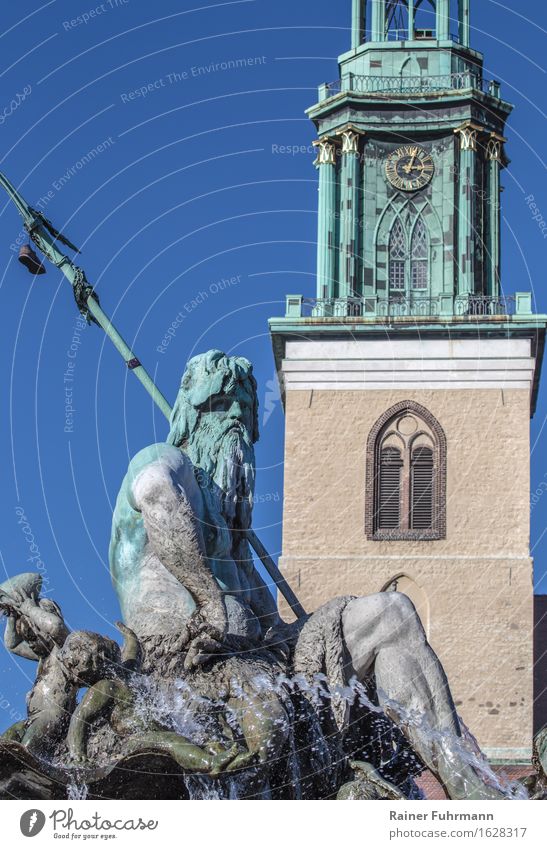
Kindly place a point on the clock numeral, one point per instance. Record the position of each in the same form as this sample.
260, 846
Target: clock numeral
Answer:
401, 167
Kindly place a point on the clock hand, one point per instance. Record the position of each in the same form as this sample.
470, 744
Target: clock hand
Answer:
408, 168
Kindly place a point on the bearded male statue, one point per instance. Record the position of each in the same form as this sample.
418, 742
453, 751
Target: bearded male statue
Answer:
179, 558
185, 577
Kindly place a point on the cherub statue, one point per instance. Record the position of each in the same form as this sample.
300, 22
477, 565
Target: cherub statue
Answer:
67, 661
35, 625
115, 700
257, 712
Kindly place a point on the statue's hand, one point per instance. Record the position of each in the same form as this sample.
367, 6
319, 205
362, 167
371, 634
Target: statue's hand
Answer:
200, 650
214, 621
23, 602
11, 604
27, 606
222, 759
209, 619
204, 634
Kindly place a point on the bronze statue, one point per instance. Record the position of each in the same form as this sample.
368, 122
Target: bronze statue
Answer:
66, 660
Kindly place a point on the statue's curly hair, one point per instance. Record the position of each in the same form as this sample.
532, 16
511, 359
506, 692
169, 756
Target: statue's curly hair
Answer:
79, 646
206, 376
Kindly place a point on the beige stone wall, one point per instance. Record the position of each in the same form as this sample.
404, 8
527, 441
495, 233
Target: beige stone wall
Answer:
476, 583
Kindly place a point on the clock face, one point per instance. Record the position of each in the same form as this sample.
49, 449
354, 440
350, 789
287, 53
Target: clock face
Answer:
410, 168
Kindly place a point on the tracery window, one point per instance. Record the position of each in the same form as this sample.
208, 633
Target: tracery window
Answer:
420, 256
397, 257
409, 256
406, 475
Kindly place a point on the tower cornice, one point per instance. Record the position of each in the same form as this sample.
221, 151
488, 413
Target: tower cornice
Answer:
367, 102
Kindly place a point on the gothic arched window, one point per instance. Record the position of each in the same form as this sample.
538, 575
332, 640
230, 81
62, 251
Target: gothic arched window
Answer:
409, 256
397, 22
402, 583
398, 254
406, 476
419, 274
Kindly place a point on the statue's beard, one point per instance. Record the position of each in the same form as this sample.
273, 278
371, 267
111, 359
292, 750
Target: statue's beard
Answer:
228, 461
234, 476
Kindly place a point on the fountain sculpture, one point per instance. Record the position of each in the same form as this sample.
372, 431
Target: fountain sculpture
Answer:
212, 694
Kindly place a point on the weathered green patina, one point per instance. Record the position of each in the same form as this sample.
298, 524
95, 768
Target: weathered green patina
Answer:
403, 86
411, 258
205, 471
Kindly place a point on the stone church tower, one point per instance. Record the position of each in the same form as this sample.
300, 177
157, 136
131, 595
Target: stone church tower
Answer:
410, 378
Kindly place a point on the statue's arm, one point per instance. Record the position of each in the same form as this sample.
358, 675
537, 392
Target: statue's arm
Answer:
95, 702
131, 649
14, 643
11, 638
160, 494
44, 622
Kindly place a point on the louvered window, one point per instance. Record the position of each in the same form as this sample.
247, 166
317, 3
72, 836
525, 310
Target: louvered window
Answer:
421, 496
389, 489
406, 476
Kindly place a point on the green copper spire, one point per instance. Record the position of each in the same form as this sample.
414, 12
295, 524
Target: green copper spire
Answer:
464, 22
410, 160
358, 22
378, 20
410, 153
407, 20
443, 20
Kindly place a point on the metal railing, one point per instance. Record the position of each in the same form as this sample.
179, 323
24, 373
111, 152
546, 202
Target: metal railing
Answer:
419, 84
402, 306
460, 81
415, 305
396, 306
419, 34
397, 35
331, 89
481, 305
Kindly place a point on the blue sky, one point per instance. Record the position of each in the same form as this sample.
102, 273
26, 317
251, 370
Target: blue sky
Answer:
165, 168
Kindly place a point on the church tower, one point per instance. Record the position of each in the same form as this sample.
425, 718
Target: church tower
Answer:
409, 379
